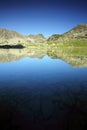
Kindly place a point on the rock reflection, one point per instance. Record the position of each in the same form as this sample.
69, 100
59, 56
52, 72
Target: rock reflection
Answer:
77, 57
8, 55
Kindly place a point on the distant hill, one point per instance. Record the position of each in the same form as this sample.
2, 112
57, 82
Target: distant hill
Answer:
12, 37
8, 37
7, 34
78, 32
36, 38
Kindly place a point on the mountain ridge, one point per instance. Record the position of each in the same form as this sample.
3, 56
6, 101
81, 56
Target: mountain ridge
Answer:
9, 37
77, 32
12, 37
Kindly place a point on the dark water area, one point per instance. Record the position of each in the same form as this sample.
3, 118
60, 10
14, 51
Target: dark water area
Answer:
19, 46
42, 94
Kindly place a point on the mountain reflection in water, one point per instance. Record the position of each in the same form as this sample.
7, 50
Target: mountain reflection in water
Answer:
42, 92
78, 60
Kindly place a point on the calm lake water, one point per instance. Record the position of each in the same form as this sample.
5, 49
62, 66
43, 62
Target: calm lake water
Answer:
42, 94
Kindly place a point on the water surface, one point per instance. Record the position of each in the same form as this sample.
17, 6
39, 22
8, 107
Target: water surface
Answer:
41, 93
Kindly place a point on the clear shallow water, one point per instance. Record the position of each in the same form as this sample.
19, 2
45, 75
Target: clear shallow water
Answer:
42, 94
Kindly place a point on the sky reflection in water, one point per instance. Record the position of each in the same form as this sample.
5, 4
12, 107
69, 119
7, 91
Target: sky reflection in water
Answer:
44, 91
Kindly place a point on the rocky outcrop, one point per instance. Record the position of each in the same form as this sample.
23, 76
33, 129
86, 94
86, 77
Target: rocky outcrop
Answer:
78, 32
8, 37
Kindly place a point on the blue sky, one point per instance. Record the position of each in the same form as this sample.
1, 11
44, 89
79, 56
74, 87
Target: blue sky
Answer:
42, 16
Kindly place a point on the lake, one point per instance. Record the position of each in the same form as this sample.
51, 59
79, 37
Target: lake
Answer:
41, 91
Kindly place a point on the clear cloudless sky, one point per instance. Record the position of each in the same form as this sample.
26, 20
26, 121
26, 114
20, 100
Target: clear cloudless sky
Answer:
42, 16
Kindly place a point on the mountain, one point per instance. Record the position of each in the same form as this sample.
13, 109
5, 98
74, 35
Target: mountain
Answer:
8, 37
36, 38
78, 32
7, 34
